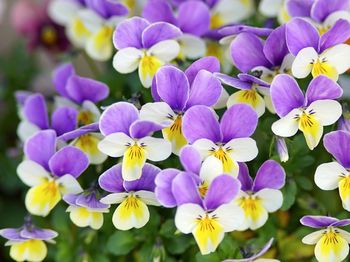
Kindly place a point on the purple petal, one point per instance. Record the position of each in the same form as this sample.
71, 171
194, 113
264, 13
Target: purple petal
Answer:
270, 175
234, 82
200, 122
61, 76
111, 180
238, 121
205, 90
91, 128
275, 48
247, 52
64, 119
38, 233
158, 32
321, 88
163, 190
285, 94
222, 190
70, 199
323, 8
21, 96
185, 190
146, 182
338, 34
341, 223
299, 7
253, 79
244, 177
190, 159
41, 147
317, 221
90, 201
209, 63
154, 91
118, 118
337, 143
158, 11
12, 234
194, 18
82, 89
301, 34
69, 160
129, 33
35, 111
172, 87
237, 29
106, 8
142, 128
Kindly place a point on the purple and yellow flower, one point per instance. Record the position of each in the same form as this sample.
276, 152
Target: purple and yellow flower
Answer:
335, 174
317, 54
282, 149
175, 92
50, 174
125, 134
309, 114
332, 243
85, 209
28, 242
144, 46
227, 140
132, 197
262, 196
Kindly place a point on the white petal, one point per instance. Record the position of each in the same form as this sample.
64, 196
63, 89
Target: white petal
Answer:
338, 56
302, 66
165, 50
233, 11
270, 8
335, 16
312, 238
91, 20
127, 60
186, 215
336, 251
328, 175
69, 185
31, 173
287, 63
157, 149
238, 97
243, 149
229, 216
115, 145
26, 129
205, 147
63, 11
191, 46
211, 168
287, 126
92, 108
221, 103
157, 112
99, 47
327, 111
114, 198
344, 234
148, 197
272, 199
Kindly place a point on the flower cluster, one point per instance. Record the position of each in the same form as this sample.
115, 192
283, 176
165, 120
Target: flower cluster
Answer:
186, 144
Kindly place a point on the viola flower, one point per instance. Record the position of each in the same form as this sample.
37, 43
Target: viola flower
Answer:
309, 114
332, 243
256, 257
227, 140
128, 136
81, 94
132, 197
262, 196
50, 174
175, 92
275, 8
335, 174
144, 46
193, 19
282, 149
85, 209
265, 58
28, 242
250, 89
318, 54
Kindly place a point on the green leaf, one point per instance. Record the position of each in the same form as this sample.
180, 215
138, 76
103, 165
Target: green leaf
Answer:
121, 243
168, 228
177, 244
289, 192
213, 257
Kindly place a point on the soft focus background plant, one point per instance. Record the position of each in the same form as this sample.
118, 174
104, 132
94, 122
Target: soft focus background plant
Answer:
25, 68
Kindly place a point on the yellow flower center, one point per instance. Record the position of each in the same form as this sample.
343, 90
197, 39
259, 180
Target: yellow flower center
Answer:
203, 189
216, 21
88, 144
249, 97
79, 29
321, 67
214, 49
174, 134
225, 158
344, 188
251, 206
49, 35
149, 65
85, 118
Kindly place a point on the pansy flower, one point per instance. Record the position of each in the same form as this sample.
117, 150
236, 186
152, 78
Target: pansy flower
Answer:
85, 209
309, 114
144, 45
250, 89
262, 195
192, 17
50, 174
227, 140
318, 54
335, 174
175, 92
125, 135
81, 94
28, 242
332, 243
132, 197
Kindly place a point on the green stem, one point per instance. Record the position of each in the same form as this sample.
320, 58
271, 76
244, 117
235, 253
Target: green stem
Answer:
92, 65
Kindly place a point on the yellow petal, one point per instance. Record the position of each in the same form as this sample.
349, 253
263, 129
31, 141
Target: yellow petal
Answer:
230, 166
311, 128
344, 191
254, 211
89, 145
323, 68
99, 46
175, 136
41, 199
82, 217
147, 68
249, 97
30, 250
133, 162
